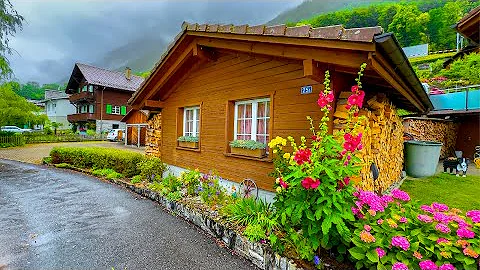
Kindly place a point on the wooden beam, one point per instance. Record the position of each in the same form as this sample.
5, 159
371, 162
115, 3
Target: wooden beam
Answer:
311, 70
393, 80
204, 53
156, 104
346, 58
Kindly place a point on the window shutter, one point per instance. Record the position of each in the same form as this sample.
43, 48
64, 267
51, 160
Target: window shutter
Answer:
123, 110
109, 109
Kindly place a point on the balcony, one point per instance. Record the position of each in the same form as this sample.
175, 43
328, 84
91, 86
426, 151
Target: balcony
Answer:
82, 96
457, 99
79, 117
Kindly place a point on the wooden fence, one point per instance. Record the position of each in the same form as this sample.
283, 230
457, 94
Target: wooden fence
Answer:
6, 141
21, 139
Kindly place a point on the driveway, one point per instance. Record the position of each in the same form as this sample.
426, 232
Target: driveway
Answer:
58, 219
33, 153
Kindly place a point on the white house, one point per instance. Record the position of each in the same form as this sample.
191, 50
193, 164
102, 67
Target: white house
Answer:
57, 107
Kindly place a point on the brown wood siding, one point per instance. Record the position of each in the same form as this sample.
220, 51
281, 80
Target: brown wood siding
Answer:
468, 135
113, 97
136, 117
234, 77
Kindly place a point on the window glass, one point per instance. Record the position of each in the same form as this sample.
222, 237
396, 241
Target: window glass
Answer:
252, 119
191, 121
115, 109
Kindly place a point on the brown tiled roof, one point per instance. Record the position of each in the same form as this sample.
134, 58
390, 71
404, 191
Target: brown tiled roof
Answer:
364, 34
108, 78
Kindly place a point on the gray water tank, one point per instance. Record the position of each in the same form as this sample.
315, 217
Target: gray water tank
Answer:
421, 157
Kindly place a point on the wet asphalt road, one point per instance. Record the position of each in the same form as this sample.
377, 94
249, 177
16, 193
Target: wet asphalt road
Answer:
57, 219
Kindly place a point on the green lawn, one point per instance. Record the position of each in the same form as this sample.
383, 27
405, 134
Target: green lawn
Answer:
459, 192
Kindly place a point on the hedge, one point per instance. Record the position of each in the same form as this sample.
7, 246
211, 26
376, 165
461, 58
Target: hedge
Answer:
122, 161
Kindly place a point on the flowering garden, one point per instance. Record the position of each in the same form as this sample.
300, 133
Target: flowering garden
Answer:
318, 213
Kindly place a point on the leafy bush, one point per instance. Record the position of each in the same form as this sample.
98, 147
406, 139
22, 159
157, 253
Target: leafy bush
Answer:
136, 179
151, 167
191, 181
167, 187
187, 139
121, 161
248, 144
107, 173
211, 192
63, 165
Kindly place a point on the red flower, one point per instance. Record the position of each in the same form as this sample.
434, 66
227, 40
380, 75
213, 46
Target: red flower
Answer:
356, 99
342, 183
283, 184
302, 156
355, 88
323, 99
352, 143
310, 183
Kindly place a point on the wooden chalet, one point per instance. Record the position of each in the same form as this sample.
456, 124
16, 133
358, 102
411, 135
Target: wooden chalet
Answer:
100, 96
226, 82
136, 127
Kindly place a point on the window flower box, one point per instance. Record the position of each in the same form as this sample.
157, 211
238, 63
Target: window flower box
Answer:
248, 148
188, 141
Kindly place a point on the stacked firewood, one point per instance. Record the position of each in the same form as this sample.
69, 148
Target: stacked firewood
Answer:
382, 141
437, 130
154, 136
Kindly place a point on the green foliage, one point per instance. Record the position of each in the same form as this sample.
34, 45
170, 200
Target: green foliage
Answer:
430, 58
170, 187
466, 68
107, 173
122, 161
15, 110
10, 139
248, 144
187, 139
47, 160
151, 168
91, 132
10, 22
63, 165
211, 192
191, 180
136, 179
412, 22
33, 90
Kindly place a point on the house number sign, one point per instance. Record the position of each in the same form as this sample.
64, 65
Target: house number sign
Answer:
306, 90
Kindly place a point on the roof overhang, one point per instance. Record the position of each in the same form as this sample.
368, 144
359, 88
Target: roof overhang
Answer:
469, 26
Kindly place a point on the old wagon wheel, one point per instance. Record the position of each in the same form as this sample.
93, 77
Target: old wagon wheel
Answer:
248, 189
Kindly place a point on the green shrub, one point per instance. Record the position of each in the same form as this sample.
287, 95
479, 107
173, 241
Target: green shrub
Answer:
107, 173
191, 181
63, 165
167, 185
187, 139
211, 192
46, 160
121, 161
136, 179
151, 168
172, 183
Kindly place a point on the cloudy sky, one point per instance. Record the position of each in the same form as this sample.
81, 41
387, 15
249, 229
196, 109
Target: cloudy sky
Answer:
56, 34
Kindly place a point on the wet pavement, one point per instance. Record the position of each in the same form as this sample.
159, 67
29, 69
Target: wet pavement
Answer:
58, 219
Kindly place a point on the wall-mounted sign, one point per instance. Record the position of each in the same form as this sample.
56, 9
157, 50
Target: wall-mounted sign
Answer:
306, 90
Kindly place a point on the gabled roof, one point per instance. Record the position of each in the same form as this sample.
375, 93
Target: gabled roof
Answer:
261, 38
55, 94
104, 77
469, 25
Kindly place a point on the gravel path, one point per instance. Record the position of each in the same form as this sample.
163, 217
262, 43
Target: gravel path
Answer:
33, 153
57, 219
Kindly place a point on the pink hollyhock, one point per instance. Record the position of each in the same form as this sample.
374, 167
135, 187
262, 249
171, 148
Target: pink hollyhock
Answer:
310, 183
401, 195
465, 233
440, 207
380, 252
354, 89
428, 265
441, 217
442, 240
401, 242
442, 228
399, 266
427, 208
302, 156
447, 266
283, 184
323, 99
355, 99
425, 218
352, 142
474, 215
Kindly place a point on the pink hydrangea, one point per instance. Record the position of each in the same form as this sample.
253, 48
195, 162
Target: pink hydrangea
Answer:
371, 199
427, 209
401, 242
403, 220
447, 266
386, 199
367, 228
380, 221
440, 207
399, 266
442, 228
442, 240
441, 217
381, 252
474, 215
401, 195
465, 233
428, 265
425, 218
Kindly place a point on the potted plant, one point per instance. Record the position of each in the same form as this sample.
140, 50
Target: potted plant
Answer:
248, 148
188, 141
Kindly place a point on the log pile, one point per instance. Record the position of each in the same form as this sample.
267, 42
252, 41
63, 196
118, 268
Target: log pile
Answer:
153, 140
437, 130
382, 141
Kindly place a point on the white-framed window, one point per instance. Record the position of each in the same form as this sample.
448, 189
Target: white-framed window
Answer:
91, 108
191, 121
84, 109
115, 109
252, 118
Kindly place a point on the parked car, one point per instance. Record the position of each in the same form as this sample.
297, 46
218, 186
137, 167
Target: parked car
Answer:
15, 129
115, 135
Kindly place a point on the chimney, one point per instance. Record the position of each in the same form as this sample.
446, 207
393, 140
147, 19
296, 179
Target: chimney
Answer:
128, 73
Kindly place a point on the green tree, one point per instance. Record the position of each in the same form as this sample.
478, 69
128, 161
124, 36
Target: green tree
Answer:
440, 30
15, 110
10, 21
409, 25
